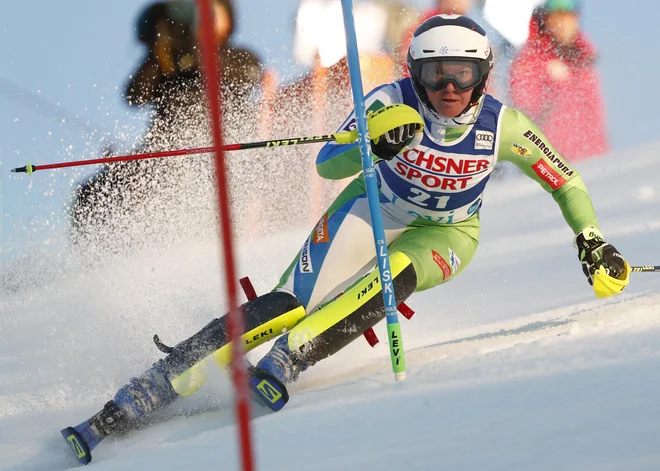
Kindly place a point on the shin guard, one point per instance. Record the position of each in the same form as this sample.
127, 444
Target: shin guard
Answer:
338, 323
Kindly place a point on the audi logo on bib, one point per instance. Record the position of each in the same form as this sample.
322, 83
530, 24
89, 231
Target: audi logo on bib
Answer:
484, 140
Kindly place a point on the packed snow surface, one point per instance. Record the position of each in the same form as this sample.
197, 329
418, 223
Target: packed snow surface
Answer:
515, 365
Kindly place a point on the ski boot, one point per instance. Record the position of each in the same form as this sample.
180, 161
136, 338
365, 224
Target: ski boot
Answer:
141, 396
84, 437
279, 367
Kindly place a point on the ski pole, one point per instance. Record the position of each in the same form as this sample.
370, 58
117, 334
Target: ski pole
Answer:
343, 137
371, 183
645, 268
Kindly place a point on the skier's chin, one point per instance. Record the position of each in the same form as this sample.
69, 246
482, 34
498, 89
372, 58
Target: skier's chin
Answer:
449, 107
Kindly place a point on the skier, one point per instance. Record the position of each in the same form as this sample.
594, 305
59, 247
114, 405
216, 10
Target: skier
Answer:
432, 179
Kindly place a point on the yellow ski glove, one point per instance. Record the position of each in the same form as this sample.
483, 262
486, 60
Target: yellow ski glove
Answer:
605, 268
393, 128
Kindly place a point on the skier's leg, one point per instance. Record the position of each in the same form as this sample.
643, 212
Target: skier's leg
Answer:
420, 258
439, 253
182, 371
339, 250
265, 318
338, 253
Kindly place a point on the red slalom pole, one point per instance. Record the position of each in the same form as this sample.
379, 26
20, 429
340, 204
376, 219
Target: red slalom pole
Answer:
235, 324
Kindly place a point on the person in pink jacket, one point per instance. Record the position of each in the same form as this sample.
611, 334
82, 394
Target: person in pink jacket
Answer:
555, 82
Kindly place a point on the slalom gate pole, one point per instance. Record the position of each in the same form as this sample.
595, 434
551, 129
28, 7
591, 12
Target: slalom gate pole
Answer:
371, 182
344, 137
645, 269
235, 322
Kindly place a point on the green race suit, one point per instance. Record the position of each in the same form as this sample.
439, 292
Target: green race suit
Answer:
430, 197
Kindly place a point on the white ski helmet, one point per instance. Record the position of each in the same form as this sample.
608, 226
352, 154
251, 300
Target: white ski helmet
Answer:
449, 39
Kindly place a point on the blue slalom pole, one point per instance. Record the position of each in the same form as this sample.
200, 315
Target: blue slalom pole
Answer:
371, 182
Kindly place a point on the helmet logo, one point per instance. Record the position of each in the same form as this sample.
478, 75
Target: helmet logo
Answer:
487, 51
444, 50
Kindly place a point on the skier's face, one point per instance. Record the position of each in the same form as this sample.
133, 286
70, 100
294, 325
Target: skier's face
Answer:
449, 101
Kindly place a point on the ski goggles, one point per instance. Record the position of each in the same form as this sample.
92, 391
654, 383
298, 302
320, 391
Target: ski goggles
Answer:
436, 74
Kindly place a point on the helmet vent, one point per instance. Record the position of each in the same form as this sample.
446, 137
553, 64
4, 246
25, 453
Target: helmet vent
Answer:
428, 50
471, 50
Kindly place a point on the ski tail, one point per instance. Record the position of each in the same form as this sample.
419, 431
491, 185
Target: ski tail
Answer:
84, 437
267, 390
78, 444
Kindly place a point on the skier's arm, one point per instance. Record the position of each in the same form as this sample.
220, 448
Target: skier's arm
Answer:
337, 161
523, 144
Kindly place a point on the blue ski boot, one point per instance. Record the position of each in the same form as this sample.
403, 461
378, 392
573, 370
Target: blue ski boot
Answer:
146, 393
279, 367
142, 395
84, 437
282, 363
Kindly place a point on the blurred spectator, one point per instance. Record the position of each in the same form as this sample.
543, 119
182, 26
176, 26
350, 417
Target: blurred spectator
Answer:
503, 50
555, 82
323, 94
169, 80
319, 39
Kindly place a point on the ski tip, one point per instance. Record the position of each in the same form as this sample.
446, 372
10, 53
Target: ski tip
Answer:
77, 444
399, 376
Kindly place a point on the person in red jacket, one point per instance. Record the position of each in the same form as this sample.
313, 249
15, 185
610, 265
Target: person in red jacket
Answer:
555, 82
